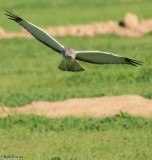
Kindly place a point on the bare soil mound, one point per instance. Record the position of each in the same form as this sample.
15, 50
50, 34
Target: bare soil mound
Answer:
95, 107
129, 26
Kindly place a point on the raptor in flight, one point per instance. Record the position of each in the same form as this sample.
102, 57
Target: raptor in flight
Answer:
69, 55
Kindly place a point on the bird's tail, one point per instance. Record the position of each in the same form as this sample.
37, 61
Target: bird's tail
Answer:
75, 67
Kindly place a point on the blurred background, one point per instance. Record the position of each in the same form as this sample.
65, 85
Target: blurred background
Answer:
29, 70
64, 12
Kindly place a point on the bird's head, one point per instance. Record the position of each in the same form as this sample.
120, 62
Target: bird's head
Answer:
70, 53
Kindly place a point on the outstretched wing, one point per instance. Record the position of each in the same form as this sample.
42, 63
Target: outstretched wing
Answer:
100, 57
37, 32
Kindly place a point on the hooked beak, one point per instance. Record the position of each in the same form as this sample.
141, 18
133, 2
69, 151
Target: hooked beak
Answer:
70, 56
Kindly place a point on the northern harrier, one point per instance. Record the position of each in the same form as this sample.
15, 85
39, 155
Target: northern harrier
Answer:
70, 55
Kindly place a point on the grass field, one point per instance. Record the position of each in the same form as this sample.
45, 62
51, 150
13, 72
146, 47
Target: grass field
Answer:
36, 67
121, 137
29, 72
32, 74
71, 12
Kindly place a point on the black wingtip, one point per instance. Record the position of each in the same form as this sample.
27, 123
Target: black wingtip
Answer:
133, 62
12, 16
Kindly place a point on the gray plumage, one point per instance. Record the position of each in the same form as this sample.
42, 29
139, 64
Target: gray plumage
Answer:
70, 55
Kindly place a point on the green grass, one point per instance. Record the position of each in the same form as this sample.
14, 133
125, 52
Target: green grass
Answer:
121, 137
71, 11
29, 70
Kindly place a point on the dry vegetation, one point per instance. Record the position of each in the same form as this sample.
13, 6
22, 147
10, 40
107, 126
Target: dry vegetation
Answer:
96, 107
130, 26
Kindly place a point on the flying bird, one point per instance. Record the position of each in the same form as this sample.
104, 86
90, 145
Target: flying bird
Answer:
69, 55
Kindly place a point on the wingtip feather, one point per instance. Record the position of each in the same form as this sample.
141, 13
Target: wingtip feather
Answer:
12, 16
133, 62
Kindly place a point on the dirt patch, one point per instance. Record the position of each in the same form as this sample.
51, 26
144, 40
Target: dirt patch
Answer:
129, 26
96, 107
